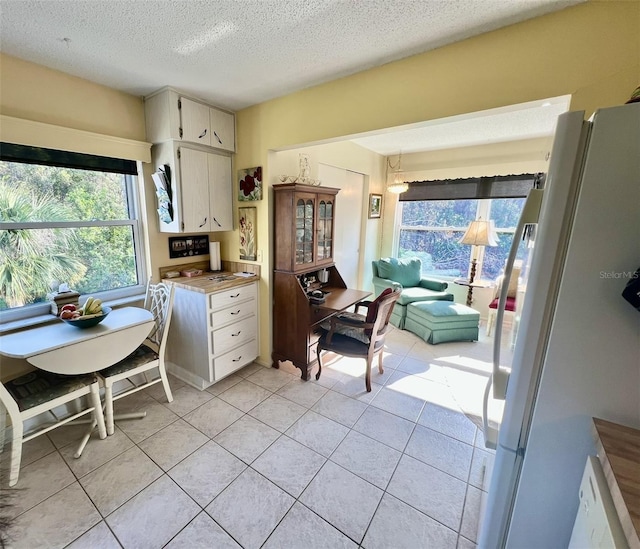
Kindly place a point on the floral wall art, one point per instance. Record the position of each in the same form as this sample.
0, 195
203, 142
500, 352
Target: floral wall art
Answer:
248, 237
250, 184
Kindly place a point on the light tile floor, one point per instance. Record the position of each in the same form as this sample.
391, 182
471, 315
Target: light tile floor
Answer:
263, 459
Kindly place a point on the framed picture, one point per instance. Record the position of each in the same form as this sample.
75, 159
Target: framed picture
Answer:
250, 184
185, 246
248, 237
375, 205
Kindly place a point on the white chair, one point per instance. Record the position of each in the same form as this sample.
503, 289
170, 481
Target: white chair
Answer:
511, 305
39, 392
148, 356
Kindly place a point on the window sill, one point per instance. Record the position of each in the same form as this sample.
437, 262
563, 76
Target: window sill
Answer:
38, 320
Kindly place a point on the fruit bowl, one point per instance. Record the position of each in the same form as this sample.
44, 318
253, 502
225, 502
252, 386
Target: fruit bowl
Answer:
90, 321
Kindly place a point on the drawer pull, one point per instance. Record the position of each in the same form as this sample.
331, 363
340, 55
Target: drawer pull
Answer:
236, 313
236, 335
234, 296
237, 359
203, 134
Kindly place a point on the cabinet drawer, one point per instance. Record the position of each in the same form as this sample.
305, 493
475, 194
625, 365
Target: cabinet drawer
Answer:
234, 360
232, 314
221, 300
317, 315
233, 335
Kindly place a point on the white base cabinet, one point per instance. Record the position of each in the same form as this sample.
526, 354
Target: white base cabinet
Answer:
212, 335
200, 186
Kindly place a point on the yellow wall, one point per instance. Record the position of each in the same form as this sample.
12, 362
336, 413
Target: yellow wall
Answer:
34, 92
591, 51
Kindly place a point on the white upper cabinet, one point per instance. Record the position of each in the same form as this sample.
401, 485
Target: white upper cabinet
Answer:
201, 200
220, 198
223, 132
195, 122
194, 183
172, 115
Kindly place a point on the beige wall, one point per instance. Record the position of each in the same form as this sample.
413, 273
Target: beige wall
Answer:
591, 51
34, 92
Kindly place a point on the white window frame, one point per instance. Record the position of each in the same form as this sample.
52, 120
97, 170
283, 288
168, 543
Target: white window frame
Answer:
483, 211
34, 313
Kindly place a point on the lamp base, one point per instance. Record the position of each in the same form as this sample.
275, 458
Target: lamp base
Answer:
472, 276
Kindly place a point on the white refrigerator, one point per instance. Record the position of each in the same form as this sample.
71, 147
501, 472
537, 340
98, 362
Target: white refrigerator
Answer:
577, 352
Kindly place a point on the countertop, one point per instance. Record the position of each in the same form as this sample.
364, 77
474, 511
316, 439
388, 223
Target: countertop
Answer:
619, 453
211, 282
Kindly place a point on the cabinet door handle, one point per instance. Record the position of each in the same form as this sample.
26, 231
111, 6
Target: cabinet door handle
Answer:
203, 134
236, 335
203, 223
236, 313
234, 296
237, 359
218, 224
217, 137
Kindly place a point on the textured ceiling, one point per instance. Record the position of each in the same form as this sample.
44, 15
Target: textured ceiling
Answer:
512, 123
235, 53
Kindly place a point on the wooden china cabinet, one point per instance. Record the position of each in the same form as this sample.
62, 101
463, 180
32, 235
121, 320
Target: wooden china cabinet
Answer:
304, 249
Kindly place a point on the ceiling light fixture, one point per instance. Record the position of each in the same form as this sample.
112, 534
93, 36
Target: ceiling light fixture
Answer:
398, 185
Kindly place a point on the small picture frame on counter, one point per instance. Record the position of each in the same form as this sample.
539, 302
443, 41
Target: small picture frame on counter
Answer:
187, 246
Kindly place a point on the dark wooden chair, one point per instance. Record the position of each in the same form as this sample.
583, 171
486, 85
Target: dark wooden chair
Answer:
360, 336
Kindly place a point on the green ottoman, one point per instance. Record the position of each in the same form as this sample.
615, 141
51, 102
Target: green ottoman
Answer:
440, 321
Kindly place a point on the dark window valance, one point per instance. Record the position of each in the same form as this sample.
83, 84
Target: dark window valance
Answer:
499, 186
11, 152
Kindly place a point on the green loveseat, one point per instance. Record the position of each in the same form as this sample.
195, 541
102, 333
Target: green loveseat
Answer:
406, 272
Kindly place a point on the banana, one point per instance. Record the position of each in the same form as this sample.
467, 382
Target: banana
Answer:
84, 317
96, 306
87, 305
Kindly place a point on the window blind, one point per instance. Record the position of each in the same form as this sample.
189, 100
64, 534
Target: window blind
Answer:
12, 152
499, 186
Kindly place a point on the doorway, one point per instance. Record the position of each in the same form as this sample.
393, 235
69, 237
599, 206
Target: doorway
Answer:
348, 225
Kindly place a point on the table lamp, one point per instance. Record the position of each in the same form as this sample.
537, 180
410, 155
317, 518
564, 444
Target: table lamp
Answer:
479, 233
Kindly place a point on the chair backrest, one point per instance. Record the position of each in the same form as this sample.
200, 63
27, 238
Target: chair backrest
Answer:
385, 308
159, 301
407, 270
513, 282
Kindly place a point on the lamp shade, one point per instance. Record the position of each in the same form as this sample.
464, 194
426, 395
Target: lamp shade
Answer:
398, 185
480, 233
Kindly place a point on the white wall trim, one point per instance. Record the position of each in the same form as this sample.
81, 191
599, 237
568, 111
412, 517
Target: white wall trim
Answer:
49, 136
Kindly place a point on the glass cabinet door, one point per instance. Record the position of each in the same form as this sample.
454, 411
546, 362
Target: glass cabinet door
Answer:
304, 231
325, 228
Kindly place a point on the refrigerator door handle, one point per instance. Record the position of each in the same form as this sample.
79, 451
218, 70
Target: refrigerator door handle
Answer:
490, 432
530, 215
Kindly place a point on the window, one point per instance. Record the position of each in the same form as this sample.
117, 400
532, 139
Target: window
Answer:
435, 214
66, 217
431, 229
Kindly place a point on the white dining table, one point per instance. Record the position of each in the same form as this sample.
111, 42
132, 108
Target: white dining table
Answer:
64, 349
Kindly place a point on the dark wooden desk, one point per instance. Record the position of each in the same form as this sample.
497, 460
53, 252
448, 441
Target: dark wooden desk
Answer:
340, 299
296, 327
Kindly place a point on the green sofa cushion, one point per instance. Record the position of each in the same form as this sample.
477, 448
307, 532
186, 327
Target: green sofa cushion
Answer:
406, 271
411, 295
436, 312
